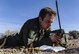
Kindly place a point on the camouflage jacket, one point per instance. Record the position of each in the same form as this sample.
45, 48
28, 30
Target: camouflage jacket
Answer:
31, 34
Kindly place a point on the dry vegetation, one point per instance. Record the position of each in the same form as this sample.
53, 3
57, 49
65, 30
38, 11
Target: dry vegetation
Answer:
72, 48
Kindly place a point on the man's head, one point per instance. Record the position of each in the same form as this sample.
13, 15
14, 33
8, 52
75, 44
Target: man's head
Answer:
46, 17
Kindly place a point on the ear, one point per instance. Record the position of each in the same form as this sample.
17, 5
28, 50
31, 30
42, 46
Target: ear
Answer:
40, 19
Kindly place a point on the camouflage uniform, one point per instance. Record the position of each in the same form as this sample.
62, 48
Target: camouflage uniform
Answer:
32, 34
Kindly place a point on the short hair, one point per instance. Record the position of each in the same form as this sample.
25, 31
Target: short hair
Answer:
45, 11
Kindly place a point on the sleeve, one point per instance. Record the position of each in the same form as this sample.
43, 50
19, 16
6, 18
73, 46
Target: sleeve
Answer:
25, 33
29, 33
45, 41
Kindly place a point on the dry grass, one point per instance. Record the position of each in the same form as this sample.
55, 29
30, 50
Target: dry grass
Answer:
72, 48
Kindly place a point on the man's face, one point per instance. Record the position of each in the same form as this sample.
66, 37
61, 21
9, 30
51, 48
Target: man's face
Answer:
46, 23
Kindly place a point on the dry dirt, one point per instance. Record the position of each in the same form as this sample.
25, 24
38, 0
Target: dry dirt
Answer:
72, 48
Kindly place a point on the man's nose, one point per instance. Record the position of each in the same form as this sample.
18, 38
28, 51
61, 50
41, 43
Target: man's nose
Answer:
49, 24
51, 20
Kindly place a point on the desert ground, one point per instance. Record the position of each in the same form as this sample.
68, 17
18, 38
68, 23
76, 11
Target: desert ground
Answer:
72, 48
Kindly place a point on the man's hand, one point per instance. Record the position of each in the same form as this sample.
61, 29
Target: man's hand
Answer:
55, 38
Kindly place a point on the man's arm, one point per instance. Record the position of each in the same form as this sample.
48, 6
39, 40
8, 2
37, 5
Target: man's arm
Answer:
28, 33
24, 34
